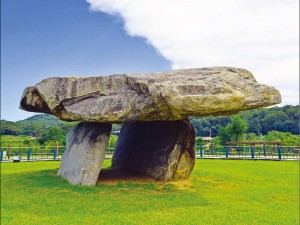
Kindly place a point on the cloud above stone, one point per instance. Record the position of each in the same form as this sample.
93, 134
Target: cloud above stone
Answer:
259, 35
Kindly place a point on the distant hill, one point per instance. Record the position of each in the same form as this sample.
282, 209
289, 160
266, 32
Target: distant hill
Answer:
41, 117
45, 120
37, 125
34, 125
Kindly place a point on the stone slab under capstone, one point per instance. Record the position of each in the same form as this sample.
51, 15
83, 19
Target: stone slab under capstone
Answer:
85, 152
162, 150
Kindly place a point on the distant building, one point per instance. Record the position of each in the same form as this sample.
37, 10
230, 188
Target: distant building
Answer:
207, 140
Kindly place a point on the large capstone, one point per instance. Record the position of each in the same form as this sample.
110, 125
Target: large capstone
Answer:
157, 139
83, 158
171, 95
163, 150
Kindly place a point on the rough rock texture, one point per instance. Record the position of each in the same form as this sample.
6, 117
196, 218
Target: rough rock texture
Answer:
171, 95
162, 150
83, 158
157, 139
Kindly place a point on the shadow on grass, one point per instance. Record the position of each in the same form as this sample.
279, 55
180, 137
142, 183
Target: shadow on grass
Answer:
113, 176
121, 178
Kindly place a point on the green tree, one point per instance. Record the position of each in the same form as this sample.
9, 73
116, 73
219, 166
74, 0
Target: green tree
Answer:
225, 134
54, 134
286, 138
9, 128
233, 131
67, 126
199, 141
252, 137
238, 128
254, 126
216, 141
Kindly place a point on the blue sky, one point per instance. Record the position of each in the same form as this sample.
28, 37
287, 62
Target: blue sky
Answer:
47, 38
61, 38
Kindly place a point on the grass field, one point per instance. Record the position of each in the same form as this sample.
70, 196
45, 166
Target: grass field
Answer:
218, 192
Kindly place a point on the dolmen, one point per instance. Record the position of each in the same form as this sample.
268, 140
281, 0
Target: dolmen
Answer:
157, 139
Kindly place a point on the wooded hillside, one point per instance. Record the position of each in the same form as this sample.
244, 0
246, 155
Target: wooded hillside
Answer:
259, 121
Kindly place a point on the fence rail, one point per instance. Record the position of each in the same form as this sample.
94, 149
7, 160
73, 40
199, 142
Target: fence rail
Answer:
249, 152
9, 154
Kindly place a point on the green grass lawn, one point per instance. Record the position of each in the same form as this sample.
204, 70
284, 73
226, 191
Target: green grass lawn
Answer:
218, 192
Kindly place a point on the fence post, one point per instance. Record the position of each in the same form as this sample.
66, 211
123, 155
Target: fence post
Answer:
226, 150
201, 152
8, 151
293, 152
265, 151
1, 156
252, 152
28, 155
54, 154
279, 152
56, 146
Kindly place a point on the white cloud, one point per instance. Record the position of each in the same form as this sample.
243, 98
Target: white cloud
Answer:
259, 35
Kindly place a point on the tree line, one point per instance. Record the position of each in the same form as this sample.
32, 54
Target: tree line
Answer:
49, 130
258, 121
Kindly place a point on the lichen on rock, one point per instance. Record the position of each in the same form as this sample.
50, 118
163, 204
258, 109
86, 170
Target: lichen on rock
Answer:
171, 95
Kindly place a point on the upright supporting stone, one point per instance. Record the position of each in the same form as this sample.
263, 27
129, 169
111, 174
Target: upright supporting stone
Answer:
162, 150
83, 158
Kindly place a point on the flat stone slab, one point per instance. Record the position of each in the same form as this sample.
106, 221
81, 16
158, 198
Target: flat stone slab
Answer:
171, 95
83, 158
162, 150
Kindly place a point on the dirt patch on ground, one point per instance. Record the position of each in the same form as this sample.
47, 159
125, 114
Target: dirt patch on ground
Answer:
115, 176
